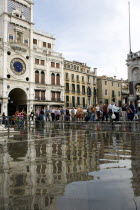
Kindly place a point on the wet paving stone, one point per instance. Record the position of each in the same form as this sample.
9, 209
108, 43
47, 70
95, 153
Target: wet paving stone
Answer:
71, 166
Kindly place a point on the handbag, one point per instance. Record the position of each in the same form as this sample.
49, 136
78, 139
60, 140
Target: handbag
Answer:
113, 116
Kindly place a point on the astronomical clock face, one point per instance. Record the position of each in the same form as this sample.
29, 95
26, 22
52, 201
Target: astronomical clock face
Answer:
18, 66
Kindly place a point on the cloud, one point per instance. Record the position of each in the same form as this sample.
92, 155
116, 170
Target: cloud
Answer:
91, 31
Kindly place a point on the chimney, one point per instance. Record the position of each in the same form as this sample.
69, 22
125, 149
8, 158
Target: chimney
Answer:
95, 71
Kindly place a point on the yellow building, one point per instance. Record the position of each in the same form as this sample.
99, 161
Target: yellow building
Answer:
109, 89
80, 84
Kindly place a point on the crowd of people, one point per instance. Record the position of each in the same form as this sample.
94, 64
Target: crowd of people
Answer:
98, 112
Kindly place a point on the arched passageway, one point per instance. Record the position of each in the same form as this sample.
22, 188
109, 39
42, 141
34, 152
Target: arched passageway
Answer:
17, 101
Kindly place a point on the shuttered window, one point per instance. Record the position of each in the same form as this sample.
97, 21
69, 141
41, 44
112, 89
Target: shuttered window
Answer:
42, 77
49, 45
58, 96
57, 79
44, 44
43, 95
52, 64
53, 96
42, 62
36, 77
53, 79
57, 65
37, 94
36, 61
34, 41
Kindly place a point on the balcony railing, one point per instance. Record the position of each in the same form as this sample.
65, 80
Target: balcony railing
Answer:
67, 91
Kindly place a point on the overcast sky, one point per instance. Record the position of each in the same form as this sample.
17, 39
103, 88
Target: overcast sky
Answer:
91, 31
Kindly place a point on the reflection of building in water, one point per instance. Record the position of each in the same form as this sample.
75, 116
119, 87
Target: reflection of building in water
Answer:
33, 178
135, 165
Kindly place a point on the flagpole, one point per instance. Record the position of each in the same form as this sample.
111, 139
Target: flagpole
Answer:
129, 27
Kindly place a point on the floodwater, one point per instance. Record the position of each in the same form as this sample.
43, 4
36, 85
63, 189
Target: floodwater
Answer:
81, 166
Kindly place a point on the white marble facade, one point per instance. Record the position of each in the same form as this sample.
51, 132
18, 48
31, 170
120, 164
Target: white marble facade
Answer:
26, 54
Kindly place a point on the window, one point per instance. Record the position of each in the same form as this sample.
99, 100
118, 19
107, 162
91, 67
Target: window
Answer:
105, 82
53, 64
73, 88
53, 79
57, 79
94, 91
57, 65
43, 95
44, 44
67, 87
72, 77
65, 65
77, 78
34, 41
71, 66
36, 76
49, 45
36, 61
42, 62
74, 67
84, 104
78, 101
42, 77
83, 90
88, 79
119, 94
83, 79
78, 88
112, 83
113, 93
58, 96
37, 95
106, 92
77, 68
67, 76
67, 101
53, 96
118, 84
73, 101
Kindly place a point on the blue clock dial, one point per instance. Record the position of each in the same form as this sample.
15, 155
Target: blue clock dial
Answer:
18, 67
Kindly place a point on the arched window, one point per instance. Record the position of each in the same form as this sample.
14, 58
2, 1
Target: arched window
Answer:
36, 76
53, 79
57, 79
42, 77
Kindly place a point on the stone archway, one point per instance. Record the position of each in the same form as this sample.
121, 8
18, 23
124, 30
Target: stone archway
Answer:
17, 101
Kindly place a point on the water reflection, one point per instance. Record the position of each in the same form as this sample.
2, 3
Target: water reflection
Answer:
37, 167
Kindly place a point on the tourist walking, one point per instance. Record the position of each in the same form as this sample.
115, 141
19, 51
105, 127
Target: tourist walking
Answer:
53, 114
131, 106
73, 114
116, 112
32, 115
93, 112
47, 114
110, 110
105, 112
62, 111
41, 115
124, 112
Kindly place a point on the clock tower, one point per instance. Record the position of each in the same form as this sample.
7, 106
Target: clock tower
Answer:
16, 62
